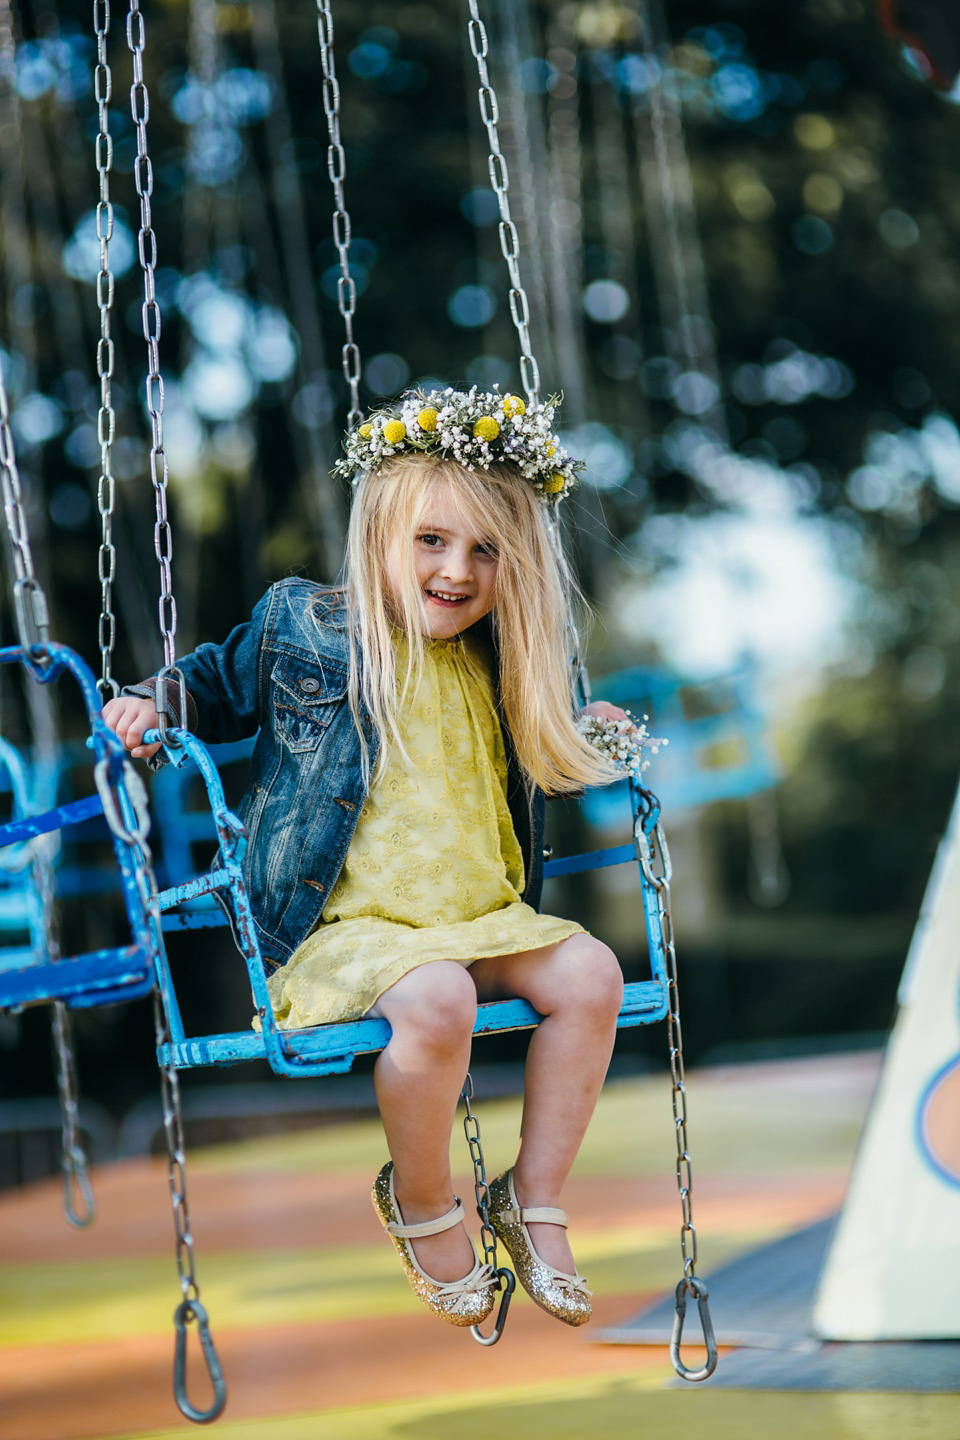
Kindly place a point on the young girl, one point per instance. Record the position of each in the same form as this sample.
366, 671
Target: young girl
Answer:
410, 724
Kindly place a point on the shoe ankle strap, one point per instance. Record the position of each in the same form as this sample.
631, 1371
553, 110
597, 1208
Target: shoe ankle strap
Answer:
429, 1227
535, 1214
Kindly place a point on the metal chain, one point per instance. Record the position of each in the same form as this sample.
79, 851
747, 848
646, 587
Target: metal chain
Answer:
655, 862
126, 813
506, 1278
500, 183
78, 1202
106, 417
29, 601
520, 314
471, 1128
337, 169
147, 250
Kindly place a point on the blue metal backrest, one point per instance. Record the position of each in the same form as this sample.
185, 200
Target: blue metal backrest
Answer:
178, 829
119, 972
21, 918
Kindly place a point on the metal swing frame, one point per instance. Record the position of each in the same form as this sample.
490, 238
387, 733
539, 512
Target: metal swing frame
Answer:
332, 1049
328, 1049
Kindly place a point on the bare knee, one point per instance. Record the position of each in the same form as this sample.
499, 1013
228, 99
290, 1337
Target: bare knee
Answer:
588, 980
438, 1010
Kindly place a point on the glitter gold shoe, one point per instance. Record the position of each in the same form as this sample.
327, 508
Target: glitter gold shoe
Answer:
461, 1302
564, 1296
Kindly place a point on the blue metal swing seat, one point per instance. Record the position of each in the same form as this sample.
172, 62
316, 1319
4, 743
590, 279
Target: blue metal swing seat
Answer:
332, 1049
100, 977
22, 939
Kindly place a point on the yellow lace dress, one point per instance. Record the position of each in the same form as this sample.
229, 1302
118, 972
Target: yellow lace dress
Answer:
434, 870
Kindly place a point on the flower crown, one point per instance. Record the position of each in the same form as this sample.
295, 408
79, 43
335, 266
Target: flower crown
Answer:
477, 428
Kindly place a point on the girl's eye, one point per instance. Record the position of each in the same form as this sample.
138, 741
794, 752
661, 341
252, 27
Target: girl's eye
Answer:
490, 551
432, 540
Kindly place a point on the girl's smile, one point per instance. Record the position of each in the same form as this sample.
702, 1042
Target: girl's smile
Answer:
455, 569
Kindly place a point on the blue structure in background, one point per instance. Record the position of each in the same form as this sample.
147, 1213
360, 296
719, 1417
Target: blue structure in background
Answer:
102, 977
718, 732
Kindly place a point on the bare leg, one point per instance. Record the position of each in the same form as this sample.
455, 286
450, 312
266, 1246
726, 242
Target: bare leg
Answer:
578, 987
418, 1080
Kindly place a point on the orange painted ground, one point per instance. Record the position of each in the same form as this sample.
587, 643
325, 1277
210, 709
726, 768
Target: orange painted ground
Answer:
85, 1316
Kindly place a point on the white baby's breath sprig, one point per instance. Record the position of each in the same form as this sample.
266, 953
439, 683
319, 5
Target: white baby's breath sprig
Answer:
477, 428
624, 742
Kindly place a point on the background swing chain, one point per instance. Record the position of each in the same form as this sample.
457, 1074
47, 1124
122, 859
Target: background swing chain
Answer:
336, 168
78, 1202
147, 250
106, 417
29, 601
500, 182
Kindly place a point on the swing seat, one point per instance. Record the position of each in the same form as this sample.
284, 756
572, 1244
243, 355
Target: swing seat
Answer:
28, 976
332, 1049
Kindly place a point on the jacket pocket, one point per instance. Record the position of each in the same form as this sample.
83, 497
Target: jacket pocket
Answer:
306, 696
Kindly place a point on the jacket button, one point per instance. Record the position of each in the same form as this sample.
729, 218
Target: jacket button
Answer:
309, 686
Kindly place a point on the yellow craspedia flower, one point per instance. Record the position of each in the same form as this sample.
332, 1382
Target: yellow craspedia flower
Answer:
486, 428
365, 431
555, 484
551, 449
427, 419
513, 405
394, 431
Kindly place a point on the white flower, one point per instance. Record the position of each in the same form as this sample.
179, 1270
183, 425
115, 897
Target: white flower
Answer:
622, 741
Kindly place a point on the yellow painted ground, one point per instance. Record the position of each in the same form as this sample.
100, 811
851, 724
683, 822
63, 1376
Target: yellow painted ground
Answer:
320, 1336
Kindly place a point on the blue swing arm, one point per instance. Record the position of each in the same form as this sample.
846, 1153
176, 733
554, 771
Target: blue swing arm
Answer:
331, 1049
120, 973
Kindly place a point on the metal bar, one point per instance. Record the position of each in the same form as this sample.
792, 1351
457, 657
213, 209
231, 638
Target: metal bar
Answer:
192, 889
31, 825
194, 920
590, 860
334, 1047
72, 978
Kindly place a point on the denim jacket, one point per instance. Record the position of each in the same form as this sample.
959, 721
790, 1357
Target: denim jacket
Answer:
284, 673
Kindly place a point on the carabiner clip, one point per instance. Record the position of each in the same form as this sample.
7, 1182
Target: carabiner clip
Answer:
186, 1311
701, 1294
79, 1205
508, 1283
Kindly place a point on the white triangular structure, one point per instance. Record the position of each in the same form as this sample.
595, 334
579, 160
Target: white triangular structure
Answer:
893, 1268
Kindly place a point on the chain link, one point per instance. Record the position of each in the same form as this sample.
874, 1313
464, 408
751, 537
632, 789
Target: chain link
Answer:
147, 251
78, 1202
106, 418
660, 871
655, 862
471, 1128
506, 1280
337, 168
500, 183
126, 812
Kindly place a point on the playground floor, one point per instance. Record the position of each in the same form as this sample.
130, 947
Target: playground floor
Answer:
320, 1338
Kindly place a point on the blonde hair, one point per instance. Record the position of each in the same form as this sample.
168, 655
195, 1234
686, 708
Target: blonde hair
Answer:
528, 619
